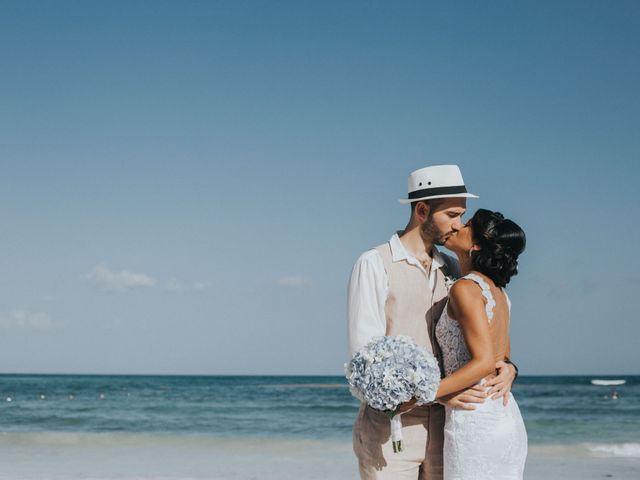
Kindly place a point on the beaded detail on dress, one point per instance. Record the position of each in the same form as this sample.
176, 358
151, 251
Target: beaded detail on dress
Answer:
449, 335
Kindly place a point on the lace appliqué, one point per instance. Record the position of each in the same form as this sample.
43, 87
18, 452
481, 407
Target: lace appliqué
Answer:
454, 350
486, 293
489, 443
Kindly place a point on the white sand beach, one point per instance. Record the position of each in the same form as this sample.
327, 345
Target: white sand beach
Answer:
57, 456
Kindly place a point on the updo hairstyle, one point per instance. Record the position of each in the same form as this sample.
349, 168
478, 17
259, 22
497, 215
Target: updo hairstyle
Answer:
501, 241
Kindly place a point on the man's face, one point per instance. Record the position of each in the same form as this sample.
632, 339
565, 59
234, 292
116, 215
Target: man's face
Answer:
444, 220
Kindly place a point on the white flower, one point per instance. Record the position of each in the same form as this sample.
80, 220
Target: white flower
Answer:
448, 282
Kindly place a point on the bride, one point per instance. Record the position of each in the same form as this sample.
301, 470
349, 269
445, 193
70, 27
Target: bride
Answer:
489, 442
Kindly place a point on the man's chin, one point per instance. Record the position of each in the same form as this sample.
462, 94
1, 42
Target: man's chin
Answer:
442, 241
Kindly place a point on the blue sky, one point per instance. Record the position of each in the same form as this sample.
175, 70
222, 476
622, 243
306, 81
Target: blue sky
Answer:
186, 185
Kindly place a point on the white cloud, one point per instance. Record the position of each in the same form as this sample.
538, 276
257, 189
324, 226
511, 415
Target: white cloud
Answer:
294, 281
26, 319
122, 280
175, 286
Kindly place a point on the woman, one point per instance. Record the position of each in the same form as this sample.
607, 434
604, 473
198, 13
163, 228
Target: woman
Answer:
489, 442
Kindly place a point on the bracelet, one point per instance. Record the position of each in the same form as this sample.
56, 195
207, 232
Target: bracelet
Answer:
508, 360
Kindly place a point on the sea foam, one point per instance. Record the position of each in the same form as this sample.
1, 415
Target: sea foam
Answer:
631, 450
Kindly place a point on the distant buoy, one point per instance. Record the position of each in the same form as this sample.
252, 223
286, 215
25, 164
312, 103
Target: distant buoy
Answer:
102, 396
9, 399
42, 397
72, 397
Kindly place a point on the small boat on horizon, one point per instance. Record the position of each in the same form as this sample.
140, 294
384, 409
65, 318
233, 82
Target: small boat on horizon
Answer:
604, 382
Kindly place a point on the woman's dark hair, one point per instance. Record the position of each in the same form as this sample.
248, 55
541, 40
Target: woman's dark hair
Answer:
500, 241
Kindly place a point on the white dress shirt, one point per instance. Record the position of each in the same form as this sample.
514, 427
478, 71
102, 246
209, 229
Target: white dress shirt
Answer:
368, 289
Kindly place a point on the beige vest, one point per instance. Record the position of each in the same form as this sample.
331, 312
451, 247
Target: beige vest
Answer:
412, 308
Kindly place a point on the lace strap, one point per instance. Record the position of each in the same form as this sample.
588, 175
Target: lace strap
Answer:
486, 293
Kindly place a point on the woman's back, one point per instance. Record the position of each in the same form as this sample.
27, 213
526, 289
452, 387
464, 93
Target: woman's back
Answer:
497, 308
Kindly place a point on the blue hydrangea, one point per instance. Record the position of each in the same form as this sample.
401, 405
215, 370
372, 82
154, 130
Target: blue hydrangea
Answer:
389, 371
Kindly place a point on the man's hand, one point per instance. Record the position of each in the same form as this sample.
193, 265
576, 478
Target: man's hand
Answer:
501, 383
465, 399
406, 406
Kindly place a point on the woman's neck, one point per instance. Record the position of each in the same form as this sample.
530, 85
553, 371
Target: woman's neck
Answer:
464, 259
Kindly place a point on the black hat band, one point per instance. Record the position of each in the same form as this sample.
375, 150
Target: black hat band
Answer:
432, 192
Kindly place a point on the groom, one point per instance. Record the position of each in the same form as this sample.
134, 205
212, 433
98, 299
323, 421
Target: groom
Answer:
400, 288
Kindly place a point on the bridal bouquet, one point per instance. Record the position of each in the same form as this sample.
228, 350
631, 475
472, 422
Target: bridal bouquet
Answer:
389, 371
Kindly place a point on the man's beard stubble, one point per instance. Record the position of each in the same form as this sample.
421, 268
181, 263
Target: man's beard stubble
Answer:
431, 233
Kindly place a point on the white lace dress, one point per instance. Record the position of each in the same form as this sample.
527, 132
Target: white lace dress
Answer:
489, 442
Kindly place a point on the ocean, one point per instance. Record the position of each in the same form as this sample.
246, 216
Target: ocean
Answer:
241, 427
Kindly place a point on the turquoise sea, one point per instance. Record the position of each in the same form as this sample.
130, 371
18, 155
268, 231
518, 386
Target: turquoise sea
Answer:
80, 426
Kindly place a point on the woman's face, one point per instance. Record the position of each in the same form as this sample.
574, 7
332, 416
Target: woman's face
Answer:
462, 240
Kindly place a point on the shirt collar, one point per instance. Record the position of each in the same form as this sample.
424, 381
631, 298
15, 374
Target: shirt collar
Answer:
399, 253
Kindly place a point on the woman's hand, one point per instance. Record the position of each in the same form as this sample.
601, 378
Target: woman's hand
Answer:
501, 383
465, 399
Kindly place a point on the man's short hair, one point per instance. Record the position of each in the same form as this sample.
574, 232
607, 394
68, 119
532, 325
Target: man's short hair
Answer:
433, 203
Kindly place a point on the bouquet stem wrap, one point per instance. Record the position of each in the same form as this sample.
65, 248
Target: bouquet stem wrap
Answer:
396, 433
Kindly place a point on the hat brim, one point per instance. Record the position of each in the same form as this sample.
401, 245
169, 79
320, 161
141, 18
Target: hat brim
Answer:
406, 201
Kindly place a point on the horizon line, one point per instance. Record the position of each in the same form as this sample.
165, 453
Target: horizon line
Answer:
594, 375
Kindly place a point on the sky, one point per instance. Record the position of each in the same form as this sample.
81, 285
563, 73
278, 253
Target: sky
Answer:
185, 186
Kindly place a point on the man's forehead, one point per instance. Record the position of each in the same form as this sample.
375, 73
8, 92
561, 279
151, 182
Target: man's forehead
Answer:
456, 204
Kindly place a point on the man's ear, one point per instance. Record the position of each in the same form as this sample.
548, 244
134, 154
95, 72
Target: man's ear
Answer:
422, 209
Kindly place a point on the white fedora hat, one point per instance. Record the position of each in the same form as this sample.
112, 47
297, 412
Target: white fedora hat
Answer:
438, 181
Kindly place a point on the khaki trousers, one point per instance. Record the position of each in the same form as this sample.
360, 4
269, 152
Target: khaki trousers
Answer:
423, 438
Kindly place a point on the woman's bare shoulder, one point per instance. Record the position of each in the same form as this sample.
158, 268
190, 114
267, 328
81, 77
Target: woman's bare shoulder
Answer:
463, 288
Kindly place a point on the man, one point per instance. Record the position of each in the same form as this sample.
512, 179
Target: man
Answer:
400, 288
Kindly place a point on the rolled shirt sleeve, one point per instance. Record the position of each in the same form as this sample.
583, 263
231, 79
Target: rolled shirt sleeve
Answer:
367, 294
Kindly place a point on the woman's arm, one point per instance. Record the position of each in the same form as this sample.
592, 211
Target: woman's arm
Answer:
468, 308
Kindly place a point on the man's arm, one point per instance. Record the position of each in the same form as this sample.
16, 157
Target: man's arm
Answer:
501, 383
367, 295
515, 367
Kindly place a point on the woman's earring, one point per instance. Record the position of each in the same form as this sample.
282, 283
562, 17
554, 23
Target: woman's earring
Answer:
470, 251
